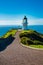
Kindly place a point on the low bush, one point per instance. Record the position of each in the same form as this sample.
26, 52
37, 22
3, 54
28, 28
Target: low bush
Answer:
35, 42
26, 41
25, 34
31, 37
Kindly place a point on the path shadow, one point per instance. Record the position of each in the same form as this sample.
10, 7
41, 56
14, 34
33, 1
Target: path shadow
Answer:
4, 42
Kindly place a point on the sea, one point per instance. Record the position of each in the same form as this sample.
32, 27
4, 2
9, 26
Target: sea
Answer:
4, 29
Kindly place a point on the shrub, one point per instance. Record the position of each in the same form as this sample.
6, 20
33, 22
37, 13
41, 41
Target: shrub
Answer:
35, 42
31, 37
25, 34
26, 41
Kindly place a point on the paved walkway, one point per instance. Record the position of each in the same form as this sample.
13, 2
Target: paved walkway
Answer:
15, 54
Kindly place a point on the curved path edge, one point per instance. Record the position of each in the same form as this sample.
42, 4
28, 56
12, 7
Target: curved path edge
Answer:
31, 47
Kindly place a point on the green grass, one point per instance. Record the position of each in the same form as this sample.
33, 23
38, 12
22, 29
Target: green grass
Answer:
36, 46
29, 31
31, 34
10, 32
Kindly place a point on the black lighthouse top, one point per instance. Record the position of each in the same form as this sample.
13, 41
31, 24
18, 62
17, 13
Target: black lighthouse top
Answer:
25, 17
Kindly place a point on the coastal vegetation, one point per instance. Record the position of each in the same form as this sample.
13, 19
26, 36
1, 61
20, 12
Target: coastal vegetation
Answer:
7, 39
10, 32
31, 38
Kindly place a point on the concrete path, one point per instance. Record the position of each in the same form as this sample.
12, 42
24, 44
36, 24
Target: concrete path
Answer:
15, 54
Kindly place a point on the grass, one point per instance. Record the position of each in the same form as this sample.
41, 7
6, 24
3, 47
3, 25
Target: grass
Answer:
10, 32
35, 39
29, 31
36, 46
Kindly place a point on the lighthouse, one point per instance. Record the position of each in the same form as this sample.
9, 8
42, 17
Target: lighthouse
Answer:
25, 23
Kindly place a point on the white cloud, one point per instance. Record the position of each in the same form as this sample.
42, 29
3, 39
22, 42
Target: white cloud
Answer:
10, 22
35, 21
17, 20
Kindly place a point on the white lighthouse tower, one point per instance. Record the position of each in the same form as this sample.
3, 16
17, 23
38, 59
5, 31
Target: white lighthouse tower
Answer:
25, 23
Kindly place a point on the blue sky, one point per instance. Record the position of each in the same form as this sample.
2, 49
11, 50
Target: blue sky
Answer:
13, 11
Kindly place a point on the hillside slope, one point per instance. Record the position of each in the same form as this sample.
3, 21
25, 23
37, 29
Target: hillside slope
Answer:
31, 37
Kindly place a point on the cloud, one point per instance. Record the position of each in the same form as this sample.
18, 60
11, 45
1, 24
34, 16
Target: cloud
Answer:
17, 20
38, 21
10, 22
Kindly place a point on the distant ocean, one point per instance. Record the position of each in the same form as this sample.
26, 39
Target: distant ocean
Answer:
4, 29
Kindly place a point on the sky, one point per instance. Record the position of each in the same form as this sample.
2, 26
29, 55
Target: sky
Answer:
13, 11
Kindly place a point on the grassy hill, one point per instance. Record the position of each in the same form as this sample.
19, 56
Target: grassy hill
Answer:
31, 37
7, 39
10, 32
